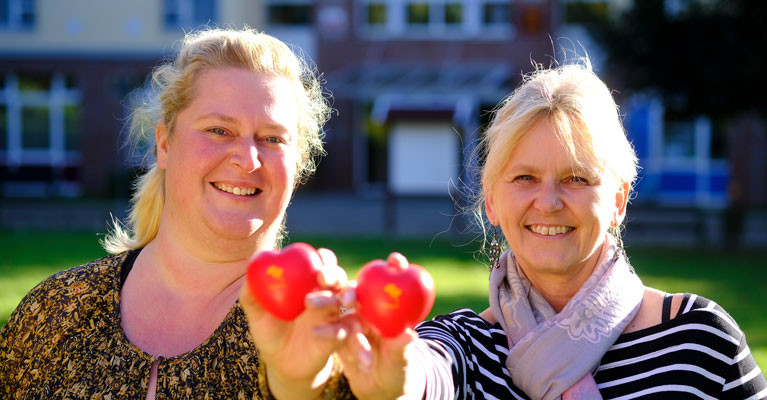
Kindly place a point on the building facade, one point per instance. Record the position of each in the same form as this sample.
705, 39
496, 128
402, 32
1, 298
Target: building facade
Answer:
66, 69
412, 81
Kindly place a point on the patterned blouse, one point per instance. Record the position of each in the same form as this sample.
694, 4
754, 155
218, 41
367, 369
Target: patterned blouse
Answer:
65, 341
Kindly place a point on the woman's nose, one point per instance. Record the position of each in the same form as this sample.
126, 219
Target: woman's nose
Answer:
245, 156
548, 198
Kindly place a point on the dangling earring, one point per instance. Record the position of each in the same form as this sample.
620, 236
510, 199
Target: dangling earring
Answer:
494, 254
615, 232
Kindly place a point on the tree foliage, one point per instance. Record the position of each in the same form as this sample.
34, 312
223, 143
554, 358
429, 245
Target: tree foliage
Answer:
707, 58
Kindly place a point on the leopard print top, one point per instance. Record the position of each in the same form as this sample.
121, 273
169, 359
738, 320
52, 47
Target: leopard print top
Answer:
65, 341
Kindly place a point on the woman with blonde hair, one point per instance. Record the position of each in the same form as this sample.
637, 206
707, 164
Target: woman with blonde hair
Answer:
235, 127
568, 317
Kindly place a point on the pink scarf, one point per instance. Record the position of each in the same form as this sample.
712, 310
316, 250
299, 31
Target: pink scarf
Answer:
553, 355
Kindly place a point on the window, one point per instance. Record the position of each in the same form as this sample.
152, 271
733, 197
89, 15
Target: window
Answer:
34, 128
436, 18
72, 126
496, 13
586, 12
189, 13
679, 139
32, 83
453, 13
376, 14
17, 14
376, 139
40, 129
435, 14
290, 14
418, 13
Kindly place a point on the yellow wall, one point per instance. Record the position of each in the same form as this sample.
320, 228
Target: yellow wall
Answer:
114, 26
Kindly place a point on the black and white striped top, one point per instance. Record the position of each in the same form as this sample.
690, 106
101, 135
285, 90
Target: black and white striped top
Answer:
701, 353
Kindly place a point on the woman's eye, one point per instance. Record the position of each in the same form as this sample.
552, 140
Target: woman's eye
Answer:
579, 179
523, 178
274, 139
217, 131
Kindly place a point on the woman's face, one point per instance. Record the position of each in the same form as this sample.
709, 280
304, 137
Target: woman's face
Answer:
555, 220
230, 162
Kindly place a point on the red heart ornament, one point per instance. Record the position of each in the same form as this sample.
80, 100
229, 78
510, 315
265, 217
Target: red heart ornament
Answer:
280, 280
391, 298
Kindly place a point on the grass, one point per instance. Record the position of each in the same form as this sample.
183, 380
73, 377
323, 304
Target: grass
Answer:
735, 281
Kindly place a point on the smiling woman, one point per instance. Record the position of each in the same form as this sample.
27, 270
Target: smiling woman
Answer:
568, 318
235, 126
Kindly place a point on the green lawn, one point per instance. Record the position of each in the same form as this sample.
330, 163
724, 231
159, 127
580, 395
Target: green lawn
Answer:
736, 282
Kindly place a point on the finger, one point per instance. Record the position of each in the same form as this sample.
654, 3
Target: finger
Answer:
364, 351
335, 332
397, 260
397, 345
327, 256
249, 304
392, 347
321, 299
331, 275
267, 331
348, 296
356, 351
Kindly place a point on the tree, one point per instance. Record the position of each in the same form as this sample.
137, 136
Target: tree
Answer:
708, 58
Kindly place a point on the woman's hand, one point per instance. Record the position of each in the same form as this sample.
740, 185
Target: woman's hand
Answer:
297, 353
378, 367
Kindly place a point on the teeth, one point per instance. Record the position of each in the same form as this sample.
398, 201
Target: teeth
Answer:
236, 190
550, 230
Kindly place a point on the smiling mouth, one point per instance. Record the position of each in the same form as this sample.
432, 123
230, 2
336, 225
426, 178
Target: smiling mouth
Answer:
549, 230
236, 190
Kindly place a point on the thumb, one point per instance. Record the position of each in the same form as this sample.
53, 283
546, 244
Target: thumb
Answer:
397, 260
250, 305
397, 345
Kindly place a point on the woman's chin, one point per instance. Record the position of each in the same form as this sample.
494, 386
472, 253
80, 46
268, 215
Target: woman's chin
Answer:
550, 263
239, 229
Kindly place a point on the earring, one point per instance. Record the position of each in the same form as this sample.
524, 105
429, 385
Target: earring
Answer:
616, 233
494, 254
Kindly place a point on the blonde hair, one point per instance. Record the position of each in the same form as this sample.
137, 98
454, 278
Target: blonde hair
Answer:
579, 107
171, 89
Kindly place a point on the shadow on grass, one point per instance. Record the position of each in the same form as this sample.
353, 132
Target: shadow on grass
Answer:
734, 281
447, 303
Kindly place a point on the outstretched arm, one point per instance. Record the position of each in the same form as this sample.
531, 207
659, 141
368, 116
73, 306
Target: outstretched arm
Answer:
297, 354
